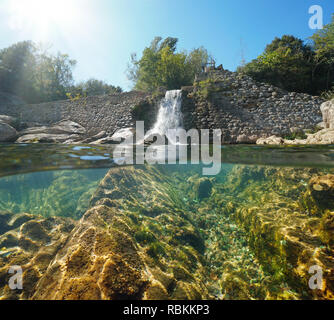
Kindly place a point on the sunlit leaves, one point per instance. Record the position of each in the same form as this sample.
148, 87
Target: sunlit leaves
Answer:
161, 66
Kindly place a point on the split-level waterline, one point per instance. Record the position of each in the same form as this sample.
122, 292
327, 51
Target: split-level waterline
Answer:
81, 225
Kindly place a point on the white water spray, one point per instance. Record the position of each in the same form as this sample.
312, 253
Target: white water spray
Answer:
169, 115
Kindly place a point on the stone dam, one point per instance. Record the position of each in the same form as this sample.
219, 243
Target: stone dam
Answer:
245, 110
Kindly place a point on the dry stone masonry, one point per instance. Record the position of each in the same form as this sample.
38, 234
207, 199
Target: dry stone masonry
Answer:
246, 110
242, 108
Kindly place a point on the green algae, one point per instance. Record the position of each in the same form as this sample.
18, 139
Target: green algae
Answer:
52, 193
252, 232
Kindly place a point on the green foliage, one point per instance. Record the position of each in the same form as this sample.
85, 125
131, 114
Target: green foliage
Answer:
328, 95
292, 65
35, 75
94, 87
206, 88
323, 44
76, 97
296, 135
285, 63
161, 66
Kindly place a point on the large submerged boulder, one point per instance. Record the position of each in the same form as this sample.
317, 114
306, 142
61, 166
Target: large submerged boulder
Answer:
132, 244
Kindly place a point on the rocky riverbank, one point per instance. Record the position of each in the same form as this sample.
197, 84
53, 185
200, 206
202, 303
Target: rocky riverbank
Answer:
242, 108
324, 134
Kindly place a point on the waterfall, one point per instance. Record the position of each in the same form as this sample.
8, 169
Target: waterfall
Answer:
169, 115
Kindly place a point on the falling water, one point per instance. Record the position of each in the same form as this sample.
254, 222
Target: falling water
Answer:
169, 115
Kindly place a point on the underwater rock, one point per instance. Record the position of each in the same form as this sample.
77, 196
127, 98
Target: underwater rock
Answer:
147, 236
286, 240
128, 244
30, 242
326, 228
320, 195
204, 188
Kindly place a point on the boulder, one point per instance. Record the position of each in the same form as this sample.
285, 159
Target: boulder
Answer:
243, 138
98, 136
8, 119
123, 134
325, 136
203, 188
327, 110
274, 140
62, 127
65, 131
118, 137
47, 138
68, 126
7, 132
322, 191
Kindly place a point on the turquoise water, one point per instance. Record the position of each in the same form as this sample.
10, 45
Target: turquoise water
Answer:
69, 215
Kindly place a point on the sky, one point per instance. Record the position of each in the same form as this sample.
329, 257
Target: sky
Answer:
102, 34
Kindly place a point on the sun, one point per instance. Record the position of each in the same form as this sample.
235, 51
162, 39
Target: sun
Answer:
42, 15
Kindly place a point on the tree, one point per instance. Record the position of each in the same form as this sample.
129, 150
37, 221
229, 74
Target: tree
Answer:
16, 68
33, 74
94, 87
323, 45
161, 66
286, 63
53, 76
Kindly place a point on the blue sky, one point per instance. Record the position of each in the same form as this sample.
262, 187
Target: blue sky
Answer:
101, 34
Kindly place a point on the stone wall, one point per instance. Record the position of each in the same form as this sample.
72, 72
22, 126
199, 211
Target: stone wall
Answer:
246, 110
107, 113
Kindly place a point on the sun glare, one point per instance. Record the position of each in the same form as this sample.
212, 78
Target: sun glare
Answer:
42, 15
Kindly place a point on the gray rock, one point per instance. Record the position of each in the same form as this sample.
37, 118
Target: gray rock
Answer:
327, 110
35, 130
98, 136
62, 127
123, 134
7, 132
47, 138
247, 139
273, 140
67, 126
8, 119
